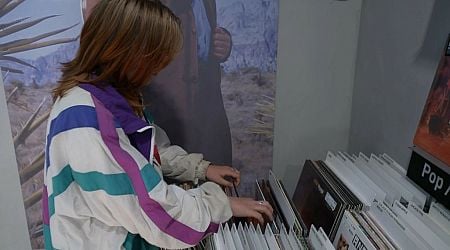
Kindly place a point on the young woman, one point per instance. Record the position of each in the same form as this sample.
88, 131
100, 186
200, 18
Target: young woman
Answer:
104, 186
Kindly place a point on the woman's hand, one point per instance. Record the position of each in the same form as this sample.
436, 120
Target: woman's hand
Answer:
223, 175
246, 207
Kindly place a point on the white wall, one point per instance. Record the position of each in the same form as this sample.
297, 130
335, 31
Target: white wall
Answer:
13, 225
399, 49
316, 66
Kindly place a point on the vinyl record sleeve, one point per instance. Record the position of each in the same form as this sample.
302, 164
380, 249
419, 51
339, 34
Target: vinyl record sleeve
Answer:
261, 196
313, 239
393, 163
423, 218
299, 226
324, 239
284, 241
414, 229
440, 215
240, 230
271, 240
383, 236
420, 196
349, 200
350, 197
250, 238
228, 239
380, 195
392, 193
261, 238
388, 221
236, 238
282, 200
350, 179
417, 195
368, 231
316, 200
279, 217
351, 236
254, 236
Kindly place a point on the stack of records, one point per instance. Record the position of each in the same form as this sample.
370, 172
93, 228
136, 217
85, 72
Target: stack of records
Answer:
393, 214
286, 231
344, 202
321, 198
357, 231
391, 178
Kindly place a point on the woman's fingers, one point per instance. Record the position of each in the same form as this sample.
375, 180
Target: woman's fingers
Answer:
246, 207
263, 207
255, 214
224, 182
234, 173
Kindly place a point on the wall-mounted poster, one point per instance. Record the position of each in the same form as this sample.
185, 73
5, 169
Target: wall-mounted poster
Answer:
35, 37
217, 96
433, 132
220, 88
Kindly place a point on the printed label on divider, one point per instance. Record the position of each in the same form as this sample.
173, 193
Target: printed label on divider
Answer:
431, 178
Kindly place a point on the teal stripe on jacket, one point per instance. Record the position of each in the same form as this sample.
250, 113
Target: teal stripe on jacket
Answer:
112, 184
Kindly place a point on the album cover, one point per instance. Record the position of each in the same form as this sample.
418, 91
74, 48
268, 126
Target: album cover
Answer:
350, 235
351, 199
316, 200
433, 132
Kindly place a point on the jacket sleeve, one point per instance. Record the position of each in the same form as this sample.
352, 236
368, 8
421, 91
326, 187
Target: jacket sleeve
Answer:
176, 163
164, 215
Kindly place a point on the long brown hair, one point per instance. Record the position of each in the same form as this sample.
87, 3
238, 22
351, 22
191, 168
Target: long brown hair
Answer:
123, 43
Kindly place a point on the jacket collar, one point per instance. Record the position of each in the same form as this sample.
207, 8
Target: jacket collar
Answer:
118, 106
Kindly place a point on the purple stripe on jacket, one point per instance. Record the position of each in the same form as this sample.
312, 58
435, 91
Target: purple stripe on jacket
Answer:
124, 115
152, 208
45, 212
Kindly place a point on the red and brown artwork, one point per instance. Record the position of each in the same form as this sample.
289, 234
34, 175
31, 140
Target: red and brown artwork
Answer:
433, 132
